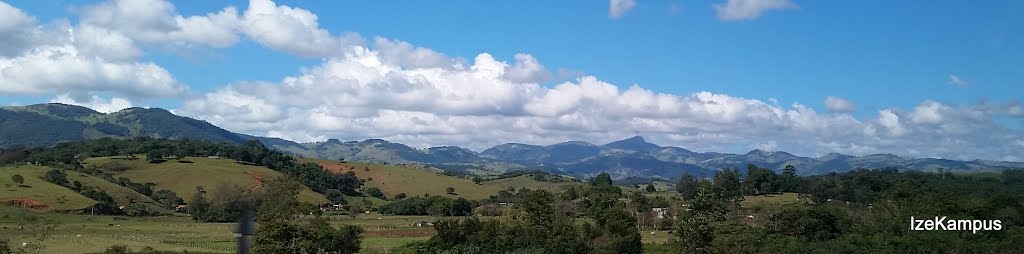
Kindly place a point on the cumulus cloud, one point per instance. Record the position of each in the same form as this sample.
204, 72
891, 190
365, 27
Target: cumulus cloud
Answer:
406, 55
154, 21
292, 30
618, 8
95, 102
956, 81
79, 60
278, 27
526, 69
360, 95
839, 105
735, 10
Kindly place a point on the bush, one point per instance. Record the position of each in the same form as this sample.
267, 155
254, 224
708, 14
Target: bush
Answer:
56, 176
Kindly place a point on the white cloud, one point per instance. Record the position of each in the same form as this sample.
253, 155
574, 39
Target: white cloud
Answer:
101, 42
526, 69
292, 30
840, 105
361, 95
734, 10
406, 55
95, 102
888, 119
154, 21
618, 8
80, 60
62, 69
956, 81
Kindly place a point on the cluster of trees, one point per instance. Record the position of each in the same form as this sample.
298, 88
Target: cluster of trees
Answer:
538, 227
70, 154
277, 211
105, 203
431, 205
731, 184
862, 211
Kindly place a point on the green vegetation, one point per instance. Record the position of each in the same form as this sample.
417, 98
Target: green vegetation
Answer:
327, 206
37, 193
209, 173
416, 180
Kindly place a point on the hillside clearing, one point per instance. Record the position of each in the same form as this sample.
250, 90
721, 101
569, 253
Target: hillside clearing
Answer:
36, 190
415, 180
209, 173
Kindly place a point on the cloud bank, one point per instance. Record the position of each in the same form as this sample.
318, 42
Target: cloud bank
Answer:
391, 89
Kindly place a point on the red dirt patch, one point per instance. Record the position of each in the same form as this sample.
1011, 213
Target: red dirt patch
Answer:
335, 167
25, 203
257, 180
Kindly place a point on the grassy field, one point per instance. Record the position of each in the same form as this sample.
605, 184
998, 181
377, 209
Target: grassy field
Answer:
183, 178
93, 234
54, 197
415, 180
120, 194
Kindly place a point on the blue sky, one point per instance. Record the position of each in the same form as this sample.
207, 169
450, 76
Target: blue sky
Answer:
873, 55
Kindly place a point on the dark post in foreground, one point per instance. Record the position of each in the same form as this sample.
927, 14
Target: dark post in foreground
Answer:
245, 232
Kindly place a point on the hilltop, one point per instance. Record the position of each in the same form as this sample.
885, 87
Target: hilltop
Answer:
49, 124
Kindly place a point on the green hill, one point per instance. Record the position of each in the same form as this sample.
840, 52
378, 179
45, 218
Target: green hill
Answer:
51, 123
414, 180
36, 191
209, 173
120, 194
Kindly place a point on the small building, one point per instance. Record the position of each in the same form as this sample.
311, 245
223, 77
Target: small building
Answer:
421, 224
660, 212
181, 208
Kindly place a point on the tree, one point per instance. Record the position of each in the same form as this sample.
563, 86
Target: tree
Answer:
477, 179
199, 207
354, 211
154, 155
461, 207
695, 230
727, 185
450, 190
18, 179
537, 206
650, 188
56, 176
400, 196
277, 201
375, 192
335, 196
687, 185
789, 171
601, 180
167, 198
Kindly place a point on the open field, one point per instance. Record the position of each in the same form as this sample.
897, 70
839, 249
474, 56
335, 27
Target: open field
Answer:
38, 191
120, 194
93, 234
182, 178
416, 180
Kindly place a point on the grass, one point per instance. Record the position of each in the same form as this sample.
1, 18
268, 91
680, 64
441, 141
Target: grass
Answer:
55, 197
120, 194
414, 180
182, 178
770, 200
93, 234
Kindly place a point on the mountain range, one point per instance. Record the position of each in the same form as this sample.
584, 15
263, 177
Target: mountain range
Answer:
48, 124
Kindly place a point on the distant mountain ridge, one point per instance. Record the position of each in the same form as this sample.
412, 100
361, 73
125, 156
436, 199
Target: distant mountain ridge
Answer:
48, 124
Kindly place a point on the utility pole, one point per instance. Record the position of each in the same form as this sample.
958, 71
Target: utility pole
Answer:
246, 231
